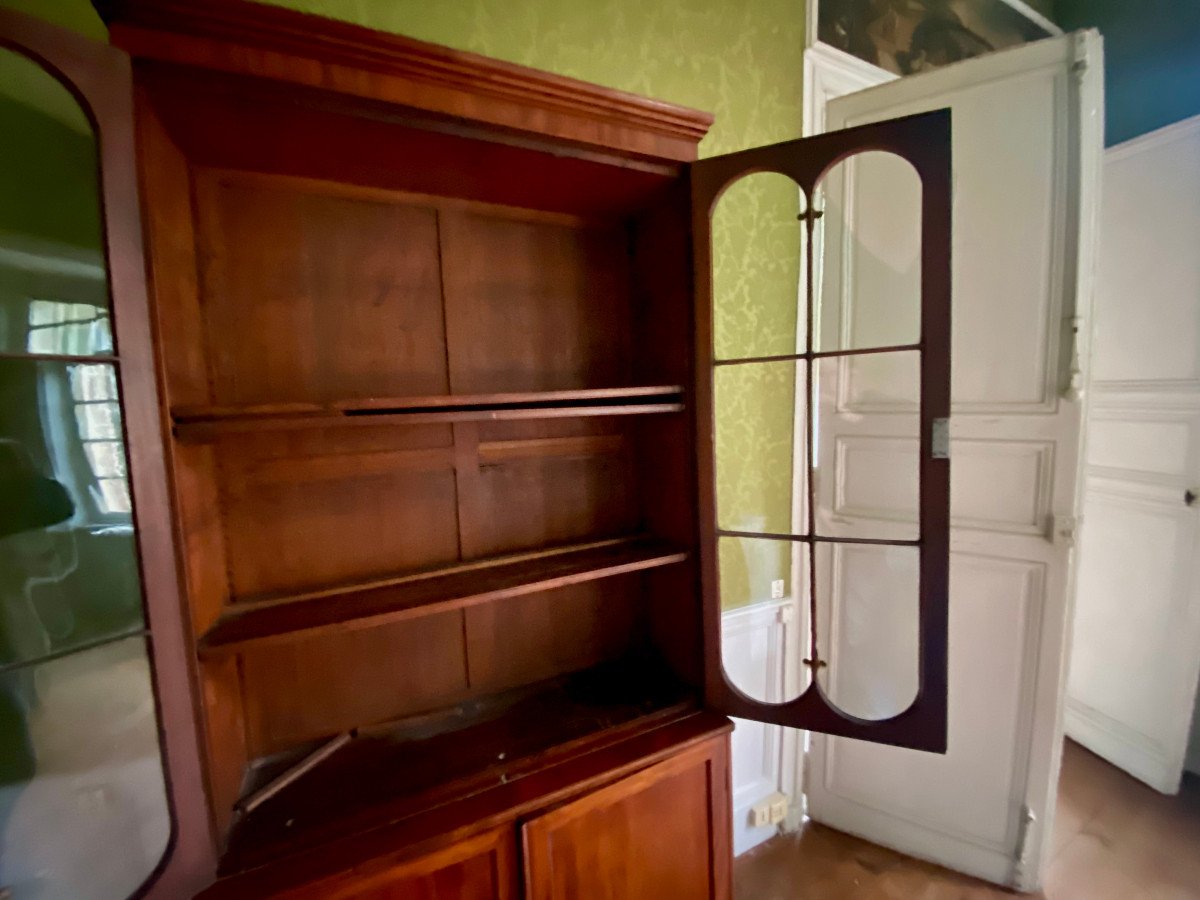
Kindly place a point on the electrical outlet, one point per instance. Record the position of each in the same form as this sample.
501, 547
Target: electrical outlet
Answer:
760, 815
778, 810
777, 589
769, 811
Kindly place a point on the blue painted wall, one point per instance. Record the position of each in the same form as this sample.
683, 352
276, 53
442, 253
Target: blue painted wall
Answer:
1152, 60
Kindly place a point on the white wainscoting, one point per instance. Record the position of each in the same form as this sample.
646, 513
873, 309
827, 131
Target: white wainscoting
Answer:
755, 641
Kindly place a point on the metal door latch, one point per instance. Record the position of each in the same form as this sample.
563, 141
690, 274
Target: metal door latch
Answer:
940, 439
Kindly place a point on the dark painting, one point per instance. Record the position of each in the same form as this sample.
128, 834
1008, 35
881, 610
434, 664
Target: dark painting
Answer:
908, 36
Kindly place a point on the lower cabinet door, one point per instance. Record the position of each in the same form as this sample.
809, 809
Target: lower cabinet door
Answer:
660, 834
479, 868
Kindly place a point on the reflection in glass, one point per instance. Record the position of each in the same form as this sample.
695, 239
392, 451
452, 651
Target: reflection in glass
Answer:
68, 565
868, 267
866, 473
758, 422
757, 243
868, 627
53, 285
758, 578
83, 811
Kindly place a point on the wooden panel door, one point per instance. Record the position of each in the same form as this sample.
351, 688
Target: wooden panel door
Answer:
479, 868
662, 832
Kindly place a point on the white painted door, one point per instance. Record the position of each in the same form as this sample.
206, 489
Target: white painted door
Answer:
1026, 144
1136, 647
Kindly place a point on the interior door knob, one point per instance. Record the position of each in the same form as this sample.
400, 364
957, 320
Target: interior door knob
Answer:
1190, 497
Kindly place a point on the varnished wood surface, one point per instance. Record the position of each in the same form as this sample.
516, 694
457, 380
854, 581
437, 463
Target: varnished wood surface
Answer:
1114, 839
439, 401
497, 371
660, 833
482, 868
353, 610
498, 801
238, 37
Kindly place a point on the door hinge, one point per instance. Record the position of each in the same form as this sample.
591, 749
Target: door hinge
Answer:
1026, 828
1073, 388
1063, 530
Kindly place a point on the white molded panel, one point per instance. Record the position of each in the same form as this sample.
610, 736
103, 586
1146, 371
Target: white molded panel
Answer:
1137, 444
1148, 278
996, 485
1134, 657
993, 624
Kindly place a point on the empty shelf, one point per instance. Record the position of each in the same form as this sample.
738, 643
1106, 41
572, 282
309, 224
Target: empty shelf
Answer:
288, 617
198, 423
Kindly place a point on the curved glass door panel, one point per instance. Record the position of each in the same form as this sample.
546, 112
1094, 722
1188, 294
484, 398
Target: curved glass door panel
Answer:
867, 263
760, 433
53, 283
83, 806
869, 624
828, 476
757, 246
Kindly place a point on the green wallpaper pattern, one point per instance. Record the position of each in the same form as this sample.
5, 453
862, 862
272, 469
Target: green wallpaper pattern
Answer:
741, 61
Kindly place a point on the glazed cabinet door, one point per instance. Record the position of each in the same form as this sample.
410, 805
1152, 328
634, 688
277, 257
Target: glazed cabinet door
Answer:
662, 832
101, 795
822, 274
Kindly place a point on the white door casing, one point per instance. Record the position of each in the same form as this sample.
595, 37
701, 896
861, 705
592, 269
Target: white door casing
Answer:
1136, 646
1027, 141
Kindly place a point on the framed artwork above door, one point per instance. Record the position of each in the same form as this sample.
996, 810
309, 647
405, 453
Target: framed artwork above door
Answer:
905, 37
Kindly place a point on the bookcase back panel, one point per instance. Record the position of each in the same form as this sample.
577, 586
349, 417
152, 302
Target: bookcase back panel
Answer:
314, 508
317, 687
533, 502
313, 293
535, 305
551, 633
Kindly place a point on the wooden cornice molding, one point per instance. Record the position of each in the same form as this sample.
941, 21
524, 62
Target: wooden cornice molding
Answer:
244, 38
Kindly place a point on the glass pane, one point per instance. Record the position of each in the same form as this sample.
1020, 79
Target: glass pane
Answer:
757, 245
53, 285
83, 811
866, 468
759, 442
868, 627
868, 264
68, 565
765, 613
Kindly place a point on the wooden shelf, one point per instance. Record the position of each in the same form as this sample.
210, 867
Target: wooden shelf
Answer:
403, 769
348, 607
198, 423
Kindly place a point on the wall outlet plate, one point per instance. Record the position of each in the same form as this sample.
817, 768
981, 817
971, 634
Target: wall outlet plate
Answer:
771, 810
777, 587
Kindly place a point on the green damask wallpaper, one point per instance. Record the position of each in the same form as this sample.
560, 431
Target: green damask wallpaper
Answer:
740, 60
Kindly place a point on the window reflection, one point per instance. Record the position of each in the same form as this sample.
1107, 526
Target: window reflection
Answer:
83, 810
